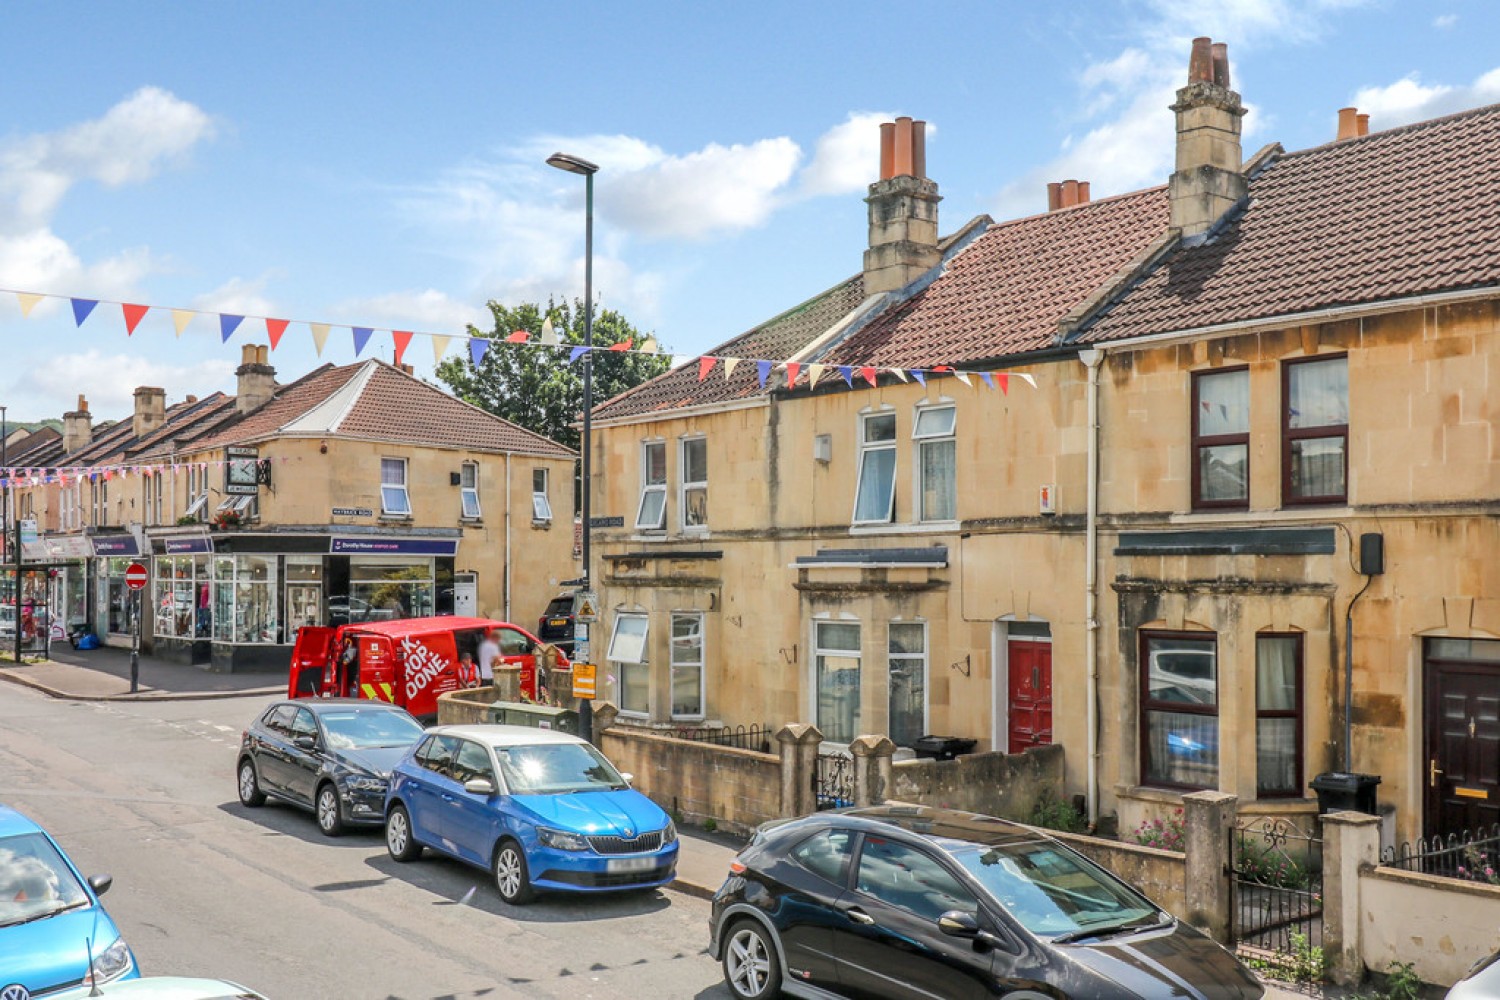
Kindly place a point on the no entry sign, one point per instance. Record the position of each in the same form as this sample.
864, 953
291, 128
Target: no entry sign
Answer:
135, 576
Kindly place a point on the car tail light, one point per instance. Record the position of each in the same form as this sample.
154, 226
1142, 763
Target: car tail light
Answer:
736, 868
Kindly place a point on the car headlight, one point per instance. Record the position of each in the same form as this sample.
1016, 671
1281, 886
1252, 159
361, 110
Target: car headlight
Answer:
367, 784
111, 963
561, 840
669, 835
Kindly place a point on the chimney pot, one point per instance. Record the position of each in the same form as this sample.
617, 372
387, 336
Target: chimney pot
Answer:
887, 150
1069, 193
1364, 124
83, 403
1220, 54
1083, 192
902, 165
1348, 124
247, 354
257, 380
1201, 62
919, 148
192, 399
1054, 196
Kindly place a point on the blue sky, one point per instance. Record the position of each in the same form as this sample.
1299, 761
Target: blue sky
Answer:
380, 164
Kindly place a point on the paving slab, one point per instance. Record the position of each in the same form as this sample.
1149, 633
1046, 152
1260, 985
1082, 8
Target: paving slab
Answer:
104, 675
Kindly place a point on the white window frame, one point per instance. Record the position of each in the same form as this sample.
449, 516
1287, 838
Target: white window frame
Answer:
867, 449
675, 665
385, 508
920, 442
470, 492
197, 507
686, 485
818, 651
541, 503
649, 489
926, 659
625, 657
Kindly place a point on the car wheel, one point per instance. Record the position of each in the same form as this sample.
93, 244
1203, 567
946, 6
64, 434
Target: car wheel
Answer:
750, 965
330, 821
250, 793
511, 876
398, 839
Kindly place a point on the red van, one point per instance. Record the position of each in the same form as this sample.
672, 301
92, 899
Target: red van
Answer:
405, 661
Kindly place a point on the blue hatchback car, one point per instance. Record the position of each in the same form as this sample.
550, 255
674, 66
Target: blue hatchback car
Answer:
538, 809
53, 933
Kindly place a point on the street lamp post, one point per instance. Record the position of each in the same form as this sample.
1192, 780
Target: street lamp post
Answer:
576, 165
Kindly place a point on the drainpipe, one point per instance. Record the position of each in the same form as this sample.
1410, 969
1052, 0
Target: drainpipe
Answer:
1092, 359
1349, 676
509, 502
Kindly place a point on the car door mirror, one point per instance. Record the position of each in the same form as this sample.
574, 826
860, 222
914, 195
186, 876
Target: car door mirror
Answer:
957, 923
101, 883
479, 786
305, 742
627, 777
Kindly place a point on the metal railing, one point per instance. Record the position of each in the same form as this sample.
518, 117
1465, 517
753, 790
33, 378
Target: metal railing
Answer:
833, 781
1470, 855
1276, 887
760, 737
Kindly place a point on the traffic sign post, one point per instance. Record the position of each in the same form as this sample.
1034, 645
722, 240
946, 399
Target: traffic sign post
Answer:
135, 578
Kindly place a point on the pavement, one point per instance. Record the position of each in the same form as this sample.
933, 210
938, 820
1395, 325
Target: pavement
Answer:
103, 675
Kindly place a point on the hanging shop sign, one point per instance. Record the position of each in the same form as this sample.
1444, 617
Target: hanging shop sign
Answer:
241, 471
115, 545
342, 545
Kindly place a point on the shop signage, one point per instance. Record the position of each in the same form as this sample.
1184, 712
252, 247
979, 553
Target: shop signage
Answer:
618, 521
28, 532
353, 512
115, 545
393, 546
584, 675
136, 576
56, 549
187, 546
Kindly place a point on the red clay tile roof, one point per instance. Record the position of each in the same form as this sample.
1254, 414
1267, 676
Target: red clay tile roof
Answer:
1409, 211
1005, 293
290, 402
776, 340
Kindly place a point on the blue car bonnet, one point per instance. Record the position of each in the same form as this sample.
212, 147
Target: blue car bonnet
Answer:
54, 951
623, 813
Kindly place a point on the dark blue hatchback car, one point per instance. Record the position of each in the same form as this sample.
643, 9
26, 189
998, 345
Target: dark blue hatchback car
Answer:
540, 810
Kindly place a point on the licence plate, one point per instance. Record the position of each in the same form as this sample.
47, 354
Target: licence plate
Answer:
557, 621
631, 864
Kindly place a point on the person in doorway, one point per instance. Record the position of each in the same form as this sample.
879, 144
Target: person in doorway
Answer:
468, 670
349, 667
489, 655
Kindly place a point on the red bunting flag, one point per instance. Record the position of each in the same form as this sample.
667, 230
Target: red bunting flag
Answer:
402, 338
519, 337
943, 368
625, 346
1004, 381
868, 374
274, 329
705, 365
792, 368
133, 314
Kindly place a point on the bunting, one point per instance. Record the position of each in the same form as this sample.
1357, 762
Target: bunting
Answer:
705, 365
228, 324
401, 338
320, 336
133, 314
275, 329
82, 308
361, 336
439, 348
181, 318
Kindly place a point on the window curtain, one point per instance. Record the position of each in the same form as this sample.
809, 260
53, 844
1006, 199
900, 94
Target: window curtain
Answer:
838, 681
877, 486
939, 481
1276, 691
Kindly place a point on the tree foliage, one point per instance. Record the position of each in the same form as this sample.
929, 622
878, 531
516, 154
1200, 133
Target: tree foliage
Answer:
535, 386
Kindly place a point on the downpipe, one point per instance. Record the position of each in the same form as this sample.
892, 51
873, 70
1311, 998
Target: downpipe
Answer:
1093, 359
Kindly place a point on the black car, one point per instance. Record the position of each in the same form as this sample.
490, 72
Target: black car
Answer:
556, 624
333, 756
910, 901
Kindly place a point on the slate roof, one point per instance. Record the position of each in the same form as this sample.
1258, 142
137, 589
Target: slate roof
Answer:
1408, 211
776, 340
1005, 293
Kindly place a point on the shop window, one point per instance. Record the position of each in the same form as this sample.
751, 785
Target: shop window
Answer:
937, 486
694, 499
386, 587
541, 506
393, 496
1278, 715
468, 489
182, 597
1221, 439
836, 666
1315, 430
687, 665
627, 652
245, 601
652, 514
906, 663
875, 492
1179, 710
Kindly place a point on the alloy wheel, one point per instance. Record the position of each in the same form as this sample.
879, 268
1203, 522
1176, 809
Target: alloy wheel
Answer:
747, 961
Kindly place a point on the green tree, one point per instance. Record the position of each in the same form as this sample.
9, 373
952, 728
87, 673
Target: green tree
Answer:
535, 386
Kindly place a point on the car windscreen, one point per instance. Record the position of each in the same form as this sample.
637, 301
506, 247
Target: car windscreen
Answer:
362, 729
1052, 892
35, 882
557, 769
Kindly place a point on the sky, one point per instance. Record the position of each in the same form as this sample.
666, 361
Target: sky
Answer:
381, 164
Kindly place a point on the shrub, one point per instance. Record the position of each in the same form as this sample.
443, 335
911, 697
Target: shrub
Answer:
1166, 835
1051, 813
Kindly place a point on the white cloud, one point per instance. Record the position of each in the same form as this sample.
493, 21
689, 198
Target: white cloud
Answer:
715, 190
239, 297
109, 381
1409, 100
1444, 21
428, 311
846, 158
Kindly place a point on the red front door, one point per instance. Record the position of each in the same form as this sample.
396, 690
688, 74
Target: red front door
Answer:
1030, 702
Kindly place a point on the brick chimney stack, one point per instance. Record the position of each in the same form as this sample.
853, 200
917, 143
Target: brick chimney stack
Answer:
150, 410
1208, 180
257, 379
78, 427
903, 210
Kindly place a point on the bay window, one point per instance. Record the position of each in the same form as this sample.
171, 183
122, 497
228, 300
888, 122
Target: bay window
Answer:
1179, 709
1278, 715
687, 665
836, 679
628, 654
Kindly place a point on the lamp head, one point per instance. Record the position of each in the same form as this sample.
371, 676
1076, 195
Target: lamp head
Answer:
572, 164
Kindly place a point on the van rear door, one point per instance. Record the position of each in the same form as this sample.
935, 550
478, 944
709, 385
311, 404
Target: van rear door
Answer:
377, 669
309, 657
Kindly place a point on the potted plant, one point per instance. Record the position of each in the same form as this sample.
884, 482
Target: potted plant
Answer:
224, 520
